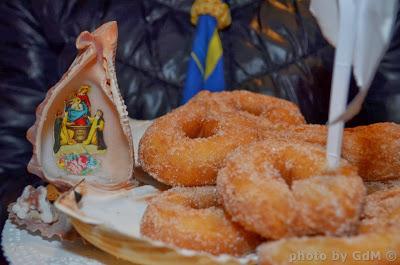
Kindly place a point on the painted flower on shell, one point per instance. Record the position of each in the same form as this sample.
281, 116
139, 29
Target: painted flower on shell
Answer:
78, 164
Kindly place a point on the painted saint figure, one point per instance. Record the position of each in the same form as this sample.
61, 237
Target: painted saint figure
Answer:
95, 135
76, 126
57, 132
78, 112
83, 96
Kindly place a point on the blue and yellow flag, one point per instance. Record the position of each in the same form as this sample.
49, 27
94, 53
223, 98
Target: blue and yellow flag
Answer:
206, 65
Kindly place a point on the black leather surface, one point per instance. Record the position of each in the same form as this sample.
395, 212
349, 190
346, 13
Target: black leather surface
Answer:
272, 47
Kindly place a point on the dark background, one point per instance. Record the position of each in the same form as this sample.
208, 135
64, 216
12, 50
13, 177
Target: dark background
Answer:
272, 47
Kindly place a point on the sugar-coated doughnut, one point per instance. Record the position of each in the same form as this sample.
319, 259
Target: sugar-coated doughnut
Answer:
378, 241
281, 189
192, 218
254, 106
187, 146
381, 211
374, 149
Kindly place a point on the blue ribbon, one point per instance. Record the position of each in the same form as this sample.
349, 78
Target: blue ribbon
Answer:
206, 65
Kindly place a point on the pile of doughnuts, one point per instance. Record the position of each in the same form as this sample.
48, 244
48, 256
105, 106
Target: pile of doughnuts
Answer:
246, 171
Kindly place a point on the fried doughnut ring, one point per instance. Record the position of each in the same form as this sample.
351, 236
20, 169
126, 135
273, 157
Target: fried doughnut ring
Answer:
192, 218
280, 189
379, 233
381, 211
254, 106
373, 149
320, 250
187, 146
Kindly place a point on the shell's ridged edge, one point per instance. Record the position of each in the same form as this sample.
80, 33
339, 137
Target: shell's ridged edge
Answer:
144, 250
86, 48
121, 107
116, 96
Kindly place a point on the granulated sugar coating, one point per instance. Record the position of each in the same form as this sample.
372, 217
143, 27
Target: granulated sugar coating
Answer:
281, 189
373, 149
192, 218
381, 211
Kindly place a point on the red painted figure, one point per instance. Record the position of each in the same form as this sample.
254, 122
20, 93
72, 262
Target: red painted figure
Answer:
83, 95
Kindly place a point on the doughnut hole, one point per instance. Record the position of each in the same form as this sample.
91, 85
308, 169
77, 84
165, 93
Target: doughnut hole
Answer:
200, 128
255, 110
196, 201
271, 113
296, 165
278, 114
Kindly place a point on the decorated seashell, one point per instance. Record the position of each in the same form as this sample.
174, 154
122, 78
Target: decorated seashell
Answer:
82, 127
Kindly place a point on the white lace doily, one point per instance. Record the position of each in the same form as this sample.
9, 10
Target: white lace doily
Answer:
23, 248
